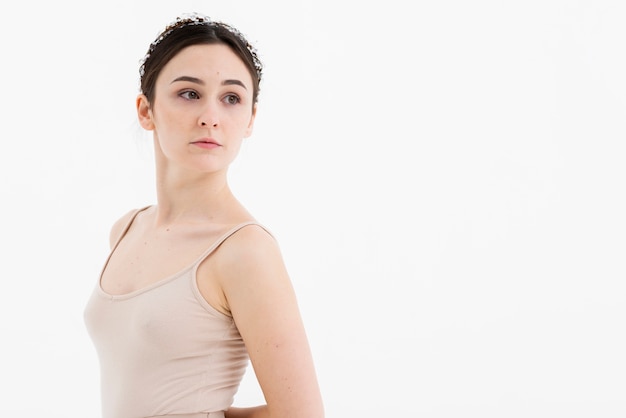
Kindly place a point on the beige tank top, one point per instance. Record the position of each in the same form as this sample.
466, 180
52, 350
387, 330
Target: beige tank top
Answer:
163, 349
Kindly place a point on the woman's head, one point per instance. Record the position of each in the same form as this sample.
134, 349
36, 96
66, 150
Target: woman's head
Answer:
191, 30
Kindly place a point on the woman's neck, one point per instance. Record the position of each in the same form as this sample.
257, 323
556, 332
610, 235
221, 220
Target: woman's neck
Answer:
194, 200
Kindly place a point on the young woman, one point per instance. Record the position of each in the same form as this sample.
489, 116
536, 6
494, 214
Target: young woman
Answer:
194, 287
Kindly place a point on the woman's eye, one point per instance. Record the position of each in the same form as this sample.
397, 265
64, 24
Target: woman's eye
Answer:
232, 99
189, 95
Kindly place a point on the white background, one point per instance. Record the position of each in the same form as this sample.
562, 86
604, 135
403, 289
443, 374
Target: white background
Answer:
446, 180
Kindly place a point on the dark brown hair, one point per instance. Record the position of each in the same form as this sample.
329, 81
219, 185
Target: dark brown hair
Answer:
196, 30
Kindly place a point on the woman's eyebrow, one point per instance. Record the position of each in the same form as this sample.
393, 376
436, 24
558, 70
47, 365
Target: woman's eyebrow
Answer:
199, 81
188, 78
234, 82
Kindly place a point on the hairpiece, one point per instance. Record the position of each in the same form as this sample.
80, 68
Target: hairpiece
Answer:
190, 19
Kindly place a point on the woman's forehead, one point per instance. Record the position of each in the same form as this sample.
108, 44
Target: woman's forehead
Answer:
207, 60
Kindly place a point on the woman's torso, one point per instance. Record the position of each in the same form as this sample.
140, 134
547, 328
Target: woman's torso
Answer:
163, 348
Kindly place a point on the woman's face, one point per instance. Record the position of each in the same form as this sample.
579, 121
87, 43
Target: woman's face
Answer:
202, 108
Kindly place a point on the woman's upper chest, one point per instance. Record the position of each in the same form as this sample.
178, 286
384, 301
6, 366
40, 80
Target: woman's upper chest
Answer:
146, 256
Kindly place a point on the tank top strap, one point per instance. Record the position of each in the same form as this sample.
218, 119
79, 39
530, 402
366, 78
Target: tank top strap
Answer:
226, 235
130, 221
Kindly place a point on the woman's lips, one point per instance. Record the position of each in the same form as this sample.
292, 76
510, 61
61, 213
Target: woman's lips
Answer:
206, 143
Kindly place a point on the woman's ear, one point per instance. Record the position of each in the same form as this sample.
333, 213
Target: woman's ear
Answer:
144, 113
251, 124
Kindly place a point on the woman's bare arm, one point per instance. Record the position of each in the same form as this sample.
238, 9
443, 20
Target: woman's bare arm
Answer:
261, 298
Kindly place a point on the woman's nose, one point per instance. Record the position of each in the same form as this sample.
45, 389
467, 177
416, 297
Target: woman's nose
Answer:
209, 117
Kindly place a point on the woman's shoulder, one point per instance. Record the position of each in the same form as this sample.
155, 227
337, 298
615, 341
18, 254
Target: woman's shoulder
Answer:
250, 236
251, 243
121, 224
244, 256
